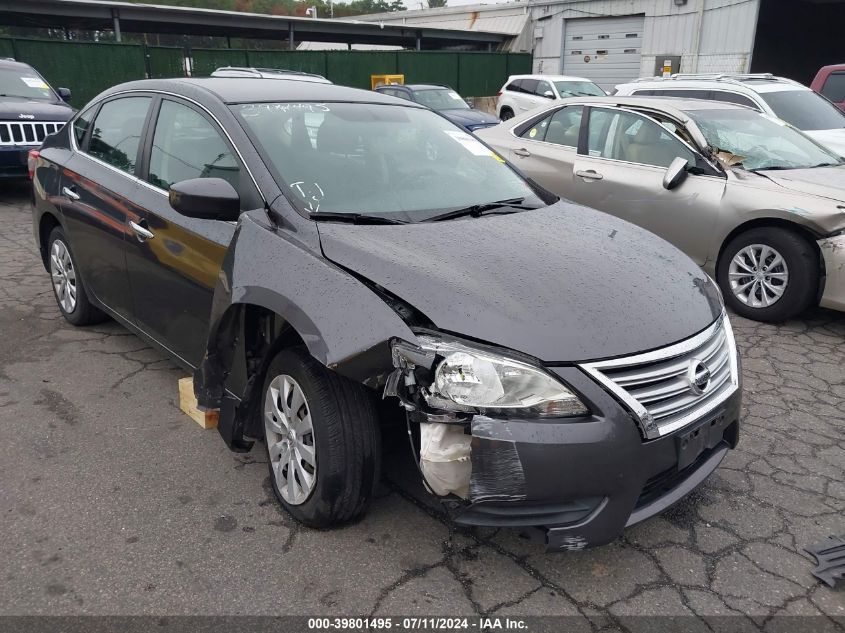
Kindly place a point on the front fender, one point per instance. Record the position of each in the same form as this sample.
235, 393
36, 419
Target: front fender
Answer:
344, 325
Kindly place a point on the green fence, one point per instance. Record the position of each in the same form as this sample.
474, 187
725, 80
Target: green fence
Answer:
88, 68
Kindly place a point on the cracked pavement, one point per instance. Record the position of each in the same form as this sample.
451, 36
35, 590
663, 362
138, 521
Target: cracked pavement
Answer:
114, 502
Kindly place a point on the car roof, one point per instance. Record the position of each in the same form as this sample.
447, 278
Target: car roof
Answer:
10, 62
427, 87
759, 83
550, 77
670, 105
251, 90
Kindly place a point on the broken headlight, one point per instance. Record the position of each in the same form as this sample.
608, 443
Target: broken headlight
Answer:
471, 379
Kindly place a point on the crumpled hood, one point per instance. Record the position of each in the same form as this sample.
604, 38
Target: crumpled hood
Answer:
563, 283
469, 117
827, 182
832, 139
11, 109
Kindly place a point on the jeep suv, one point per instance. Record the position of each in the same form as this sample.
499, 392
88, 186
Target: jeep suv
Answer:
30, 110
775, 96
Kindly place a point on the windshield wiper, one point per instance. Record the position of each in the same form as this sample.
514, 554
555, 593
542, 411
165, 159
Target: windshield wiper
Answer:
354, 218
477, 210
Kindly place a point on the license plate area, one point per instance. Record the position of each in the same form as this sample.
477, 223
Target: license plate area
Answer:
698, 438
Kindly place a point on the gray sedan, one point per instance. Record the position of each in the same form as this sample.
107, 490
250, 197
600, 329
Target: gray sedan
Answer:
757, 203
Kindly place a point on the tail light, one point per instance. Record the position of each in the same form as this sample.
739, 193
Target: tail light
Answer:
499, 94
31, 161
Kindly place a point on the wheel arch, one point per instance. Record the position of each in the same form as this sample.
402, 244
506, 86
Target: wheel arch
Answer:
46, 224
772, 222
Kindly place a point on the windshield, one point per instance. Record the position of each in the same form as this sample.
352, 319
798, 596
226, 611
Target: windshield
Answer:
760, 141
578, 89
403, 163
441, 99
26, 84
805, 109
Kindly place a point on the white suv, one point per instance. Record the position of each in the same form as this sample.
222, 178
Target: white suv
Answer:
776, 96
522, 93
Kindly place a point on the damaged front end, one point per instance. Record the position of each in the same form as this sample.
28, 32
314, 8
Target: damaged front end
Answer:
463, 396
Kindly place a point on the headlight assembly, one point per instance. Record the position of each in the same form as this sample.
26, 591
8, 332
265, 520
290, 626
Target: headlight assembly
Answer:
472, 379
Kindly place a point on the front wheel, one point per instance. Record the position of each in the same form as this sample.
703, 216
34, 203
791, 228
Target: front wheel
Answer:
322, 437
769, 274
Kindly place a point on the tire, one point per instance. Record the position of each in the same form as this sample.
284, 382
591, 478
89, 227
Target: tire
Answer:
344, 441
66, 281
506, 114
795, 280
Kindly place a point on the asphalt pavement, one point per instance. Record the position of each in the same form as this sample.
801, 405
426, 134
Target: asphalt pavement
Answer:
113, 502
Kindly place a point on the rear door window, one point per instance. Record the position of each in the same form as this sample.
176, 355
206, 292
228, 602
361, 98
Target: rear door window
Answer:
116, 135
81, 125
732, 97
565, 127
529, 85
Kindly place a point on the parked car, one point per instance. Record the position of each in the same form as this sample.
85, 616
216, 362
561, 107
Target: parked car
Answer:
782, 98
30, 110
830, 83
552, 382
522, 93
268, 73
444, 100
754, 201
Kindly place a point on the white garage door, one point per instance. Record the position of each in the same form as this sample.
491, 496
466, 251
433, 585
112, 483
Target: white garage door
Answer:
606, 50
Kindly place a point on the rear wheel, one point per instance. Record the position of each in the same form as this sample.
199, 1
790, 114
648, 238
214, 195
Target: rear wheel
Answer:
68, 287
322, 438
505, 114
769, 274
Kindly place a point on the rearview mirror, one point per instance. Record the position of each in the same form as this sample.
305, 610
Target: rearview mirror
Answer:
549, 94
205, 198
64, 94
676, 173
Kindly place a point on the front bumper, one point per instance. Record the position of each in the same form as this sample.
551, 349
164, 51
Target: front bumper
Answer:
833, 254
13, 161
583, 482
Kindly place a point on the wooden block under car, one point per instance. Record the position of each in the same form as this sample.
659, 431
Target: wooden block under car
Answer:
188, 404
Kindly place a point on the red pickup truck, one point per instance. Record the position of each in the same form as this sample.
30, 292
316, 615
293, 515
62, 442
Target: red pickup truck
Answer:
830, 83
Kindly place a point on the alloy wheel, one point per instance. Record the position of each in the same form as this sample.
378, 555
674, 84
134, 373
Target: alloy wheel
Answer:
758, 275
290, 439
64, 276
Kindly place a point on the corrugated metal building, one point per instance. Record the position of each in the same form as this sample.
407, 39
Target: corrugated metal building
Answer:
613, 41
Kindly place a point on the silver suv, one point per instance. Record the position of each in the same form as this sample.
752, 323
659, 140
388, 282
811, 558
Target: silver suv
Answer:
783, 98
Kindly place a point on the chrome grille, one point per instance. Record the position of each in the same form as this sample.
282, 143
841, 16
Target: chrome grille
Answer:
26, 132
666, 389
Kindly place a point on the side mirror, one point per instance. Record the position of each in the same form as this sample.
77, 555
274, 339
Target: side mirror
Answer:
206, 199
64, 94
676, 173
549, 94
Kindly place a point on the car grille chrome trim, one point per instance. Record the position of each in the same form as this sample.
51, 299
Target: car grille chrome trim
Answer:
14, 133
663, 388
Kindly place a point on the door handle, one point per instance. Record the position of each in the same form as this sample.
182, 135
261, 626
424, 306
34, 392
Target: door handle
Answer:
522, 152
142, 233
70, 193
589, 174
